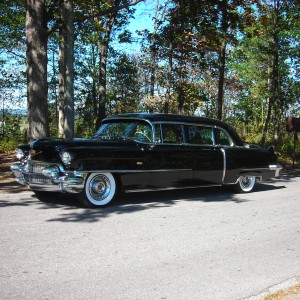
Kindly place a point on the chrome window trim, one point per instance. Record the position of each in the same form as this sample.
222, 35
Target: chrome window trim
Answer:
172, 123
227, 134
107, 120
153, 124
194, 124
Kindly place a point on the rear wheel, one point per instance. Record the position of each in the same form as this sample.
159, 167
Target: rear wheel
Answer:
100, 190
245, 184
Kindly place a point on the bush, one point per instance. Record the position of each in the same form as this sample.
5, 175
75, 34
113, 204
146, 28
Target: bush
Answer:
8, 146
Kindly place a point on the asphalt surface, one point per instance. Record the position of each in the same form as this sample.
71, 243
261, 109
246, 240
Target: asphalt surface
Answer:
188, 244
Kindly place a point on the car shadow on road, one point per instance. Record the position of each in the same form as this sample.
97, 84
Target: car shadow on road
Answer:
140, 201
136, 202
129, 202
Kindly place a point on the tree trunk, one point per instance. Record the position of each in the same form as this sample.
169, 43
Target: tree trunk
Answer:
153, 54
66, 68
102, 83
274, 76
36, 54
275, 71
267, 121
103, 41
222, 60
169, 79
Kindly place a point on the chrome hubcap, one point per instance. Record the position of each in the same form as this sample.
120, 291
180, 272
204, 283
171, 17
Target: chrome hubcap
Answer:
247, 182
99, 187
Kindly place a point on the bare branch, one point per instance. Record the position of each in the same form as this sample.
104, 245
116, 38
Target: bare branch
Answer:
98, 14
108, 11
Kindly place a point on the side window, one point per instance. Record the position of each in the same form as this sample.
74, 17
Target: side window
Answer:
172, 133
143, 133
199, 135
222, 137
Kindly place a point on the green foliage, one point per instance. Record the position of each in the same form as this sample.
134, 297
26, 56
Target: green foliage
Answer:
177, 68
8, 146
12, 131
123, 86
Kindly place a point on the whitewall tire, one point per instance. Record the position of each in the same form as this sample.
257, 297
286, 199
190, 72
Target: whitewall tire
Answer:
100, 190
245, 184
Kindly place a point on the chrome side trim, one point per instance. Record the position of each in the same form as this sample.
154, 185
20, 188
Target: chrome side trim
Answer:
136, 171
224, 165
170, 188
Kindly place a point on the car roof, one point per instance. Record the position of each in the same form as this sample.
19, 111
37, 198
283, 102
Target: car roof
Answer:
160, 117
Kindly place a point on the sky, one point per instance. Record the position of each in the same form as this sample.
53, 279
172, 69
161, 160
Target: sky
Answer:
143, 19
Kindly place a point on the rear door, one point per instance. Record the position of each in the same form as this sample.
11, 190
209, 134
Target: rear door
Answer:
205, 154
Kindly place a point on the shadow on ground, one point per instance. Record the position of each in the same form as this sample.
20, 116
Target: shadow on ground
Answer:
71, 211
128, 203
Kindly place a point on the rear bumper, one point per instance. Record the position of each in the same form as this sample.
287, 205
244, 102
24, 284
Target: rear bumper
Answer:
48, 177
277, 168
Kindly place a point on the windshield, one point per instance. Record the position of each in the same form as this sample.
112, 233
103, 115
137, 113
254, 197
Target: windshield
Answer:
132, 129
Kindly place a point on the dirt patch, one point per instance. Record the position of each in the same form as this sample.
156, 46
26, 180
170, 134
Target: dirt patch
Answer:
8, 183
292, 293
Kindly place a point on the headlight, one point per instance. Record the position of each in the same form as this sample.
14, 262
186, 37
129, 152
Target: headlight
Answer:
31, 153
66, 157
20, 154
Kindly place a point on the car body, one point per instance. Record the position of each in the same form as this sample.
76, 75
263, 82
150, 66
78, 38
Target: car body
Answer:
144, 151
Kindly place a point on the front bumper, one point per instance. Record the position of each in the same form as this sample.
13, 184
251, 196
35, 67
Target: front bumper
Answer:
48, 177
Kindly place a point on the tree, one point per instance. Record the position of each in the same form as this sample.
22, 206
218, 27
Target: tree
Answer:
104, 19
66, 74
124, 86
261, 62
36, 54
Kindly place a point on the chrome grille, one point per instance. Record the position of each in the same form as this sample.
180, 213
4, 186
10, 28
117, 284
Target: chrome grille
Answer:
35, 173
35, 178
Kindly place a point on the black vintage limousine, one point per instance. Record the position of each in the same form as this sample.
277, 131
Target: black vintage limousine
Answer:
142, 151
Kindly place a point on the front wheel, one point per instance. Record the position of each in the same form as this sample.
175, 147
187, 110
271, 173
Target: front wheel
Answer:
245, 184
100, 190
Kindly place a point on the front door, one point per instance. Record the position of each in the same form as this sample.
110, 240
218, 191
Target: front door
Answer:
169, 160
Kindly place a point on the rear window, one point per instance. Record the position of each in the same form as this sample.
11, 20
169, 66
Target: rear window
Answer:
172, 133
222, 138
199, 135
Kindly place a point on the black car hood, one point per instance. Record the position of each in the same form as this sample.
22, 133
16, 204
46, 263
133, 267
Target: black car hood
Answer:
57, 145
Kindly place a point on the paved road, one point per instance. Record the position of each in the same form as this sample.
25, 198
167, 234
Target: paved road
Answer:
192, 244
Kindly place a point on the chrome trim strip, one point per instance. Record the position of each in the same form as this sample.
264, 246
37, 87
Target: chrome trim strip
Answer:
135, 171
224, 165
170, 188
